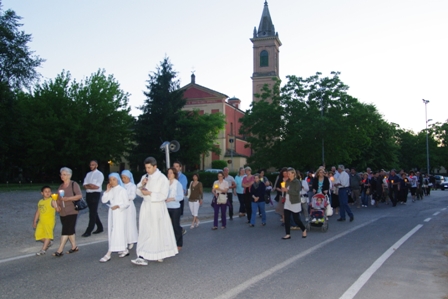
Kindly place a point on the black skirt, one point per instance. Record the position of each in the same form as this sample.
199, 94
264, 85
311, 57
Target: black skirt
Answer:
68, 224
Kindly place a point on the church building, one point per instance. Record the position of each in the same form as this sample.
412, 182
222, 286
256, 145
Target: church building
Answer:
266, 44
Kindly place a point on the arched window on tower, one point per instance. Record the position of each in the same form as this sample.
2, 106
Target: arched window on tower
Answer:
264, 58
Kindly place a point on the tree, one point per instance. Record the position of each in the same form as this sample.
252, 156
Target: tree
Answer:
162, 119
197, 134
439, 131
68, 123
160, 114
17, 62
288, 125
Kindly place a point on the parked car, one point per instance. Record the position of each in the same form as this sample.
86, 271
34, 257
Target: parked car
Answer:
214, 170
444, 185
439, 180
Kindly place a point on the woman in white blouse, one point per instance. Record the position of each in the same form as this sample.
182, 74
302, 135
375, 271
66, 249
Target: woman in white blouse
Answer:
131, 220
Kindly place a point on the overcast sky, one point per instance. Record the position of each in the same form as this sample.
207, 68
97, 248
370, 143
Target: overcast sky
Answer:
391, 53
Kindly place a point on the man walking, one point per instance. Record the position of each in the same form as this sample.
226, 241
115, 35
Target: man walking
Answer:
343, 184
232, 185
182, 178
355, 187
93, 184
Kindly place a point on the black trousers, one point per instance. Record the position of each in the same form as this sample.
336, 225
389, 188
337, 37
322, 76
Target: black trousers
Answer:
248, 204
230, 202
175, 221
393, 194
92, 200
296, 218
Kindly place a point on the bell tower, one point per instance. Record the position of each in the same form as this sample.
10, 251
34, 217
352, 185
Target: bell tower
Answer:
266, 44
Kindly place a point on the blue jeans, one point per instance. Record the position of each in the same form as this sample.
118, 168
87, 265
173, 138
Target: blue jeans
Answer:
343, 203
255, 206
365, 198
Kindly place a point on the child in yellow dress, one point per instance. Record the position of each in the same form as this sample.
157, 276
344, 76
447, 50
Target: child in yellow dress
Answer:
44, 219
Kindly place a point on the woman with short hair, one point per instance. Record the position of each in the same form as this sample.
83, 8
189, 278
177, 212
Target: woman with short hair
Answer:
69, 191
220, 188
240, 191
293, 205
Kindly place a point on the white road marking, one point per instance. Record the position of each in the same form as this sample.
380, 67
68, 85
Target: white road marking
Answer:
443, 209
436, 213
354, 289
427, 220
232, 293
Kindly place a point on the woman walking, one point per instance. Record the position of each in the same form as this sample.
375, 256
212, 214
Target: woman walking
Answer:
117, 196
131, 213
240, 191
69, 191
292, 203
220, 188
195, 199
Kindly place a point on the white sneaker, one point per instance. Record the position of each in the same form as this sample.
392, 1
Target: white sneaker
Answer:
105, 259
41, 252
140, 262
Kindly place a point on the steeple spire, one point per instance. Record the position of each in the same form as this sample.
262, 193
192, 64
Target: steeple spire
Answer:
266, 27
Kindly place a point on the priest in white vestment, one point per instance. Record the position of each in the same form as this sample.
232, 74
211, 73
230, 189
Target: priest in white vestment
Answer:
156, 236
117, 197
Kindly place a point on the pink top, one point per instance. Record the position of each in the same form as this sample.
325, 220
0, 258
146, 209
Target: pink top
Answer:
247, 180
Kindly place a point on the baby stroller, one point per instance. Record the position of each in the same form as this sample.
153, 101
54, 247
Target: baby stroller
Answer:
317, 212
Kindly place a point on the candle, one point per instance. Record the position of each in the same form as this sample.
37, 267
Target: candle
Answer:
283, 184
392, 181
216, 186
54, 196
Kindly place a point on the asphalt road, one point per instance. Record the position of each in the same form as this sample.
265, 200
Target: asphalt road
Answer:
385, 252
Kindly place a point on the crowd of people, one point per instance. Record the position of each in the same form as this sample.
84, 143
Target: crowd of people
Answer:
159, 234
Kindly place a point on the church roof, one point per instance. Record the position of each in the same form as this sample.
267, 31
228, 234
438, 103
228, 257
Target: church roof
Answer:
266, 27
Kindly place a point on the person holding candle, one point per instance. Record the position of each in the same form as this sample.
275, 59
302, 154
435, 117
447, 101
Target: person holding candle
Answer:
413, 181
93, 183
45, 218
220, 188
69, 191
365, 190
281, 178
394, 187
117, 196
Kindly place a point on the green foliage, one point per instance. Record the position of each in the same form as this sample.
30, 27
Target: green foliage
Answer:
160, 114
219, 164
197, 135
163, 120
287, 125
68, 123
17, 62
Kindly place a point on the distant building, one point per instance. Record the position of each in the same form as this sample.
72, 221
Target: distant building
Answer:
231, 143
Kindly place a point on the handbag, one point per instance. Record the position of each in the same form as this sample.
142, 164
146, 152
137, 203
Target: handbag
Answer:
267, 198
79, 204
222, 198
368, 191
329, 210
189, 191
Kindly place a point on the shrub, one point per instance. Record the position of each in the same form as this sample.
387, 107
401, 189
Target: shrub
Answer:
219, 164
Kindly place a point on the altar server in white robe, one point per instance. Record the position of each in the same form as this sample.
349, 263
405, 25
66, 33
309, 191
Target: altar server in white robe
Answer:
117, 197
156, 236
131, 217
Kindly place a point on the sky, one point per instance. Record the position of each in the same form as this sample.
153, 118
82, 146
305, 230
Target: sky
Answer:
391, 53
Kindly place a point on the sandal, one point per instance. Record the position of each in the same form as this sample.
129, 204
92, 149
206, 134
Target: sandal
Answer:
58, 254
73, 250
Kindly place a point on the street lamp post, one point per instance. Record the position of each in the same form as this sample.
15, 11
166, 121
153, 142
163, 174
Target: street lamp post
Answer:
427, 146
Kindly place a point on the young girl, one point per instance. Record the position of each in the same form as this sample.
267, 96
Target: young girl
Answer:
44, 220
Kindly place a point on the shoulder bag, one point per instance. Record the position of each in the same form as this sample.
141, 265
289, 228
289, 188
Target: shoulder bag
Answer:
79, 204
